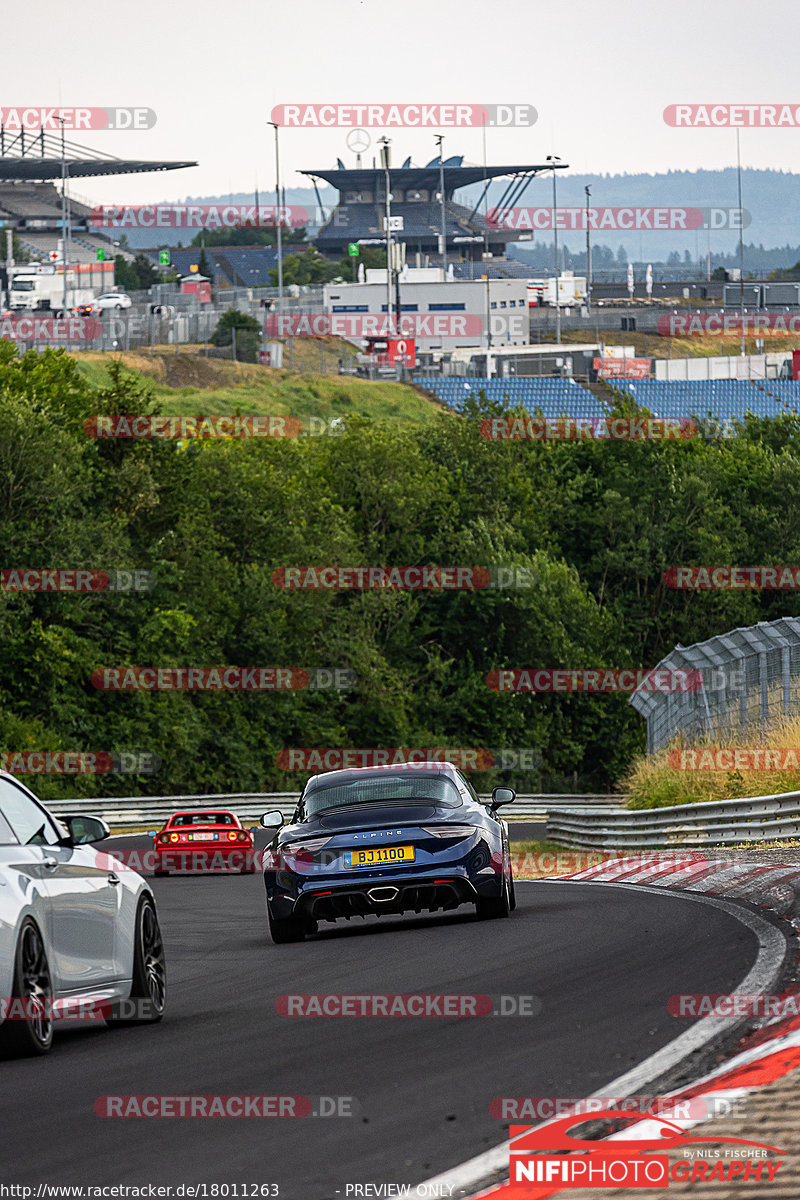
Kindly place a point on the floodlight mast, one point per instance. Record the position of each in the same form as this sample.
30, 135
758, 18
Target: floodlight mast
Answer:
385, 144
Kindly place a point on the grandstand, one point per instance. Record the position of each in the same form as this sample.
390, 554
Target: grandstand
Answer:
720, 400
231, 266
555, 397
30, 203
359, 214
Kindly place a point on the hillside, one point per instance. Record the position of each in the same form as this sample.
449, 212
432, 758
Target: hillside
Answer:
191, 383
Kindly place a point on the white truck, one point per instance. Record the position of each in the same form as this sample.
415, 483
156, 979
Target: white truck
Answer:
571, 290
33, 289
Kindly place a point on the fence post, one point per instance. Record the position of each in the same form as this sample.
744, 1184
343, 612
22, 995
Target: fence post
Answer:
786, 672
762, 679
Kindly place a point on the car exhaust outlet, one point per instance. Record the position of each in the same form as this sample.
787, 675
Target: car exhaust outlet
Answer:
383, 895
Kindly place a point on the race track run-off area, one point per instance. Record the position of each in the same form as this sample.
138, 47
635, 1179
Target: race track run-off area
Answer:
602, 961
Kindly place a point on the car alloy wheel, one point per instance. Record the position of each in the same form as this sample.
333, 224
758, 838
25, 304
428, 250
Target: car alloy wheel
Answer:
149, 986
30, 1032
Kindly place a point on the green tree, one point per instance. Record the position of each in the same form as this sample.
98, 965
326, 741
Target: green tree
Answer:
126, 276
247, 235
308, 267
204, 267
248, 334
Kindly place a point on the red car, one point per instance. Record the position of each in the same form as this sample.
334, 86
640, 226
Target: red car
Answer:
200, 840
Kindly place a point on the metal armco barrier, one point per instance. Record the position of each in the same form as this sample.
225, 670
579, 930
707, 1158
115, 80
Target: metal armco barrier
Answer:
150, 811
713, 823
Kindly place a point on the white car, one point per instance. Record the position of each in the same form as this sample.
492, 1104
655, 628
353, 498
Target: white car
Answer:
79, 932
111, 300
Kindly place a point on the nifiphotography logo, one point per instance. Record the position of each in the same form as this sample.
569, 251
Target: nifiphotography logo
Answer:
542, 1155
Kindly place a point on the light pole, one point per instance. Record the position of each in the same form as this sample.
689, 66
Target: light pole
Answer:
278, 217
553, 158
741, 246
439, 139
588, 191
385, 143
63, 218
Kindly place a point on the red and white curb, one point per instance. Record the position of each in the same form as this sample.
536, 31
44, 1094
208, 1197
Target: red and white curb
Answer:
771, 1052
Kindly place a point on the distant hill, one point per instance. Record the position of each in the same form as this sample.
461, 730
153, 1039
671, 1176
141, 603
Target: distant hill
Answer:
770, 197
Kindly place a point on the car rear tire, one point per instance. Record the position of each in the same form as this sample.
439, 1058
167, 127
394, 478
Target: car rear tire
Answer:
287, 929
149, 985
489, 907
33, 986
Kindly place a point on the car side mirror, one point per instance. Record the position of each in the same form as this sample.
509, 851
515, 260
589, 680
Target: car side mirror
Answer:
84, 830
503, 795
272, 820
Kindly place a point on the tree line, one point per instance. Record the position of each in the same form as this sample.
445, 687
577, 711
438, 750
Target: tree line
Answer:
592, 528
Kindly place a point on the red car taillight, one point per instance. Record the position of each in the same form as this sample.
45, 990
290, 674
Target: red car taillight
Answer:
162, 838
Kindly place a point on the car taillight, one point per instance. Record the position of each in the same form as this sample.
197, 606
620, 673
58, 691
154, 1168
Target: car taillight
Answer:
449, 831
312, 844
162, 838
173, 837
233, 836
243, 836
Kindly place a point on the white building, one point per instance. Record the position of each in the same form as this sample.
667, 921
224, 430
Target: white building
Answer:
467, 306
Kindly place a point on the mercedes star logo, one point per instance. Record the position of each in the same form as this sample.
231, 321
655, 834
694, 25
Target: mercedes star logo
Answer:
358, 140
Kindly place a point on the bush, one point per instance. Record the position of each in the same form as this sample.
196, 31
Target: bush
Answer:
248, 334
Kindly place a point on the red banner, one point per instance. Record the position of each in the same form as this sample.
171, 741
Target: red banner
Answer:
629, 368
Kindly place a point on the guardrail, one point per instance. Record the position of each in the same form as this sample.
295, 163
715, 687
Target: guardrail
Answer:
709, 823
149, 811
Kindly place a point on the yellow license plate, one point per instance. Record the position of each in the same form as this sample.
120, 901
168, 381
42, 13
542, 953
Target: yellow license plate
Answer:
378, 856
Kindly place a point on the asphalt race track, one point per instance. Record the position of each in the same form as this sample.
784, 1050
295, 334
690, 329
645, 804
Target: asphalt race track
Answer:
603, 961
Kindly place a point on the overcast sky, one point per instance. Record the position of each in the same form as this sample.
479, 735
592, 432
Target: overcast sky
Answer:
599, 73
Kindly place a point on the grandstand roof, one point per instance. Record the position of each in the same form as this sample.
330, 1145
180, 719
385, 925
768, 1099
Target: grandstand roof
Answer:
455, 175
36, 157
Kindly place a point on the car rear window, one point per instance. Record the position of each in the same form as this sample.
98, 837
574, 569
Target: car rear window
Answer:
210, 818
381, 789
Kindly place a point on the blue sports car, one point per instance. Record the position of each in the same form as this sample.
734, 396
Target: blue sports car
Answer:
375, 841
